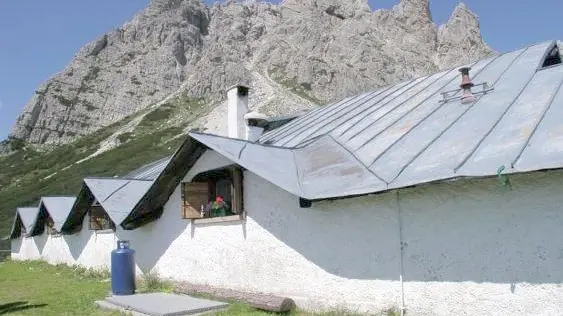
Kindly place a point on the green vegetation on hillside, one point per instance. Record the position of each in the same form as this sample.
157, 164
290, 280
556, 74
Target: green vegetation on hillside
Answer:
303, 91
27, 174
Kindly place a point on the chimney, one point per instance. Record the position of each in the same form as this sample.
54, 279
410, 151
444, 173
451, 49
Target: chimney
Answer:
466, 84
237, 107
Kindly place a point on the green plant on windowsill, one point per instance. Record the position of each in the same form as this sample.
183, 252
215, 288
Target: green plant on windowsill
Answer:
219, 208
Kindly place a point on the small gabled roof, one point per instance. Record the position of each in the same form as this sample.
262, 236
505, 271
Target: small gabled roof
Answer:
27, 216
58, 207
150, 206
117, 196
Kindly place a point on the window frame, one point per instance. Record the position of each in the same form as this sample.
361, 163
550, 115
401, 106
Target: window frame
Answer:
204, 179
96, 207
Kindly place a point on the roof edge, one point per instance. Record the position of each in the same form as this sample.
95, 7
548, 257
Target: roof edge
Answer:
147, 209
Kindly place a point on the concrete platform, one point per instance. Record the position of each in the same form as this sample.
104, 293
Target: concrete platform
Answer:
161, 304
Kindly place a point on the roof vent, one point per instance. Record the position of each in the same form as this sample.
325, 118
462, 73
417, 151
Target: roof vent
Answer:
255, 123
467, 96
553, 57
256, 119
466, 85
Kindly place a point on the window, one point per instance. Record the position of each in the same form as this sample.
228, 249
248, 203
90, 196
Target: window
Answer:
99, 219
216, 193
23, 230
552, 58
50, 225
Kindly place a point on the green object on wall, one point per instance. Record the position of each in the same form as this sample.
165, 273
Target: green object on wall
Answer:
503, 179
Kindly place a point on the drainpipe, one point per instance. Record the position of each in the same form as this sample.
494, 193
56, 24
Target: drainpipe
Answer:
402, 247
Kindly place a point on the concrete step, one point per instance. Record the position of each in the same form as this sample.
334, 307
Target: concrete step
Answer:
160, 304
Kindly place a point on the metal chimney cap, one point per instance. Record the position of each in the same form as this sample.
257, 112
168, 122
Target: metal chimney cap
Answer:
465, 70
241, 89
256, 119
255, 115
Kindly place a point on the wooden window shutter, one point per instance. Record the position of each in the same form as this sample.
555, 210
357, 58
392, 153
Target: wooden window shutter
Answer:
194, 194
237, 191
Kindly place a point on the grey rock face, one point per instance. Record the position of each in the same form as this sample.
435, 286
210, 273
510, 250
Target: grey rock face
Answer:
294, 55
459, 40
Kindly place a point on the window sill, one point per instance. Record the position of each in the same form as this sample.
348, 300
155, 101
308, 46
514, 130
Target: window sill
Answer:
103, 231
233, 218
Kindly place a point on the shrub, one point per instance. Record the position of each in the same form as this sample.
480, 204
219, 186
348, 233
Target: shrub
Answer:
152, 282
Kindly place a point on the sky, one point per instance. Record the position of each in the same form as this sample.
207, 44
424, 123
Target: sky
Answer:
38, 37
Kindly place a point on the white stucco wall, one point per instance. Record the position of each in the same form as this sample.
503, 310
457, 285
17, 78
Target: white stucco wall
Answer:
475, 249
55, 249
24, 248
469, 247
86, 248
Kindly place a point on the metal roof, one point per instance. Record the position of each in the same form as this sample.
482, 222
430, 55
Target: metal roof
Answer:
403, 135
149, 171
58, 207
117, 196
28, 217
302, 170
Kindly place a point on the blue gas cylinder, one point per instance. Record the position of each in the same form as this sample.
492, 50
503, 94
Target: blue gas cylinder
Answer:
123, 269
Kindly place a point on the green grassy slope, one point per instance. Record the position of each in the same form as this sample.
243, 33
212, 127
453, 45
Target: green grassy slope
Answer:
27, 175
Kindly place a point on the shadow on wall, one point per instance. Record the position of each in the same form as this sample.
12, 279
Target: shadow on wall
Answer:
78, 241
151, 241
16, 245
353, 239
40, 242
453, 232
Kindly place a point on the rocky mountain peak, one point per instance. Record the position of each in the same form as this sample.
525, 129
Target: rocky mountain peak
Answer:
342, 9
295, 55
461, 34
414, 9
159, 6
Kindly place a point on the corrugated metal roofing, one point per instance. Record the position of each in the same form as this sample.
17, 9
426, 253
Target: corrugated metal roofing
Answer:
403, 135
118, 196
58, 208
149, 171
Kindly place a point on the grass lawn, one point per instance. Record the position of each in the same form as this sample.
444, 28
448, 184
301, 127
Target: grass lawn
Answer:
36, 288
241, 309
